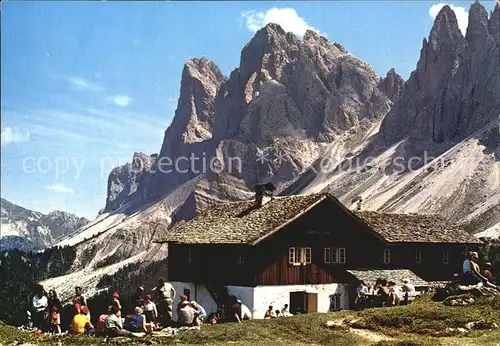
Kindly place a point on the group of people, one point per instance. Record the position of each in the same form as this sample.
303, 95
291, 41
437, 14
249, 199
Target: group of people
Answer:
383, 293
473, 275
270, 313
149, 312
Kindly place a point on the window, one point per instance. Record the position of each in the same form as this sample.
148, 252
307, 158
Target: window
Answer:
335, 302
387, 256
241, 257
188, 255
335, 255
446, 257
418, 256
299, 255
328, 255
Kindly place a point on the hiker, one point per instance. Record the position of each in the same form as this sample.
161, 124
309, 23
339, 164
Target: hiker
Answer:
408, 290
285, 312
150, 309
487, 272
79, 301
39, 309
269, 313
382, 292
246, 314
393, 299
114, 326
476, 272
138, 297
186, 314
115, 302
101, 322
165, 295
136, 322
81, 324
361, 292
54, 308
234, 311
200, 313
183, 299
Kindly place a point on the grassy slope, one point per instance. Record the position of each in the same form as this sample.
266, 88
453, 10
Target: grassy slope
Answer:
409, 325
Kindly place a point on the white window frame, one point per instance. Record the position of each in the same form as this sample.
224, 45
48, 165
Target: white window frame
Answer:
327, 254
387, 256
446, 257
335, 255
418, 256
241, 257
299, 255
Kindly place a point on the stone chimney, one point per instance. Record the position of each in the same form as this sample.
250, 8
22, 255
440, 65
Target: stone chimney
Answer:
263, 194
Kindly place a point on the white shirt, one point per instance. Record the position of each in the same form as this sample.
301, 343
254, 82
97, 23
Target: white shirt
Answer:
40, 303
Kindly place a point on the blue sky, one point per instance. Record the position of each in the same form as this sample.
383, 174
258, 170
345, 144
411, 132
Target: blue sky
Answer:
86, 84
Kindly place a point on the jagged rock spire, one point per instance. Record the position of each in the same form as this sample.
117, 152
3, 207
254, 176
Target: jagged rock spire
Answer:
478, 22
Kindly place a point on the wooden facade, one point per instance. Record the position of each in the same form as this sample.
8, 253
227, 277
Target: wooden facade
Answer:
350, 244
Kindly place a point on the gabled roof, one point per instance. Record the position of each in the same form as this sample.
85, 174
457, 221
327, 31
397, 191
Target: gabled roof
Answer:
415, 228
238, 222
369, 276
241, 223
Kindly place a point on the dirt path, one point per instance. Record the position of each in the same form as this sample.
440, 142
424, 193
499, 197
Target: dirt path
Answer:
373, 337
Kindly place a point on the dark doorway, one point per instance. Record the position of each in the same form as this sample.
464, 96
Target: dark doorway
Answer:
303, 302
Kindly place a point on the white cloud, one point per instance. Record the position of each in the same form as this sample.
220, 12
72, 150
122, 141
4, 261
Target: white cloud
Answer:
59, 188
83, 84
15, 135
120, 100
460, 12
287, 18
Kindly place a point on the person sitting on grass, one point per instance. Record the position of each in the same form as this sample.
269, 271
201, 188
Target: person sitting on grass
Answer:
136, 322
101, 323
81, 324
200, 313
186, 314
476, 272
269, 313
114, 326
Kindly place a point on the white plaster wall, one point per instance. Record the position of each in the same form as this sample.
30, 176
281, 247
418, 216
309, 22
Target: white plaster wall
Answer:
245, 294
278, 296
259, 298
200, 294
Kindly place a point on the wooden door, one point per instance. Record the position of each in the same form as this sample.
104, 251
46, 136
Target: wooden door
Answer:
311, 302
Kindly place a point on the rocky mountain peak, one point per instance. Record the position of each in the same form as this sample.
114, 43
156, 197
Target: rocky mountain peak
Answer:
494, 23
194, 116
392, 85
478, 22
445, 31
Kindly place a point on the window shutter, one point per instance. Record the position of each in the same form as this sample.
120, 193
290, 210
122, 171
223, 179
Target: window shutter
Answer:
308, 255
291, 255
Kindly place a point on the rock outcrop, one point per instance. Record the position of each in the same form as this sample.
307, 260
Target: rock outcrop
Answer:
455, 89
392, 85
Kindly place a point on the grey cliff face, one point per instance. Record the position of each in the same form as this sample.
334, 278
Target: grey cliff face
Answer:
392, 85
128, 182
455, 89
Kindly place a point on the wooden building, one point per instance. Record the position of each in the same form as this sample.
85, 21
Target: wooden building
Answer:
306, 251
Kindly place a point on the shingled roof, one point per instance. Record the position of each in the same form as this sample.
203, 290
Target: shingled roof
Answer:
240, 222
369, 276
236, 222
415, 228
